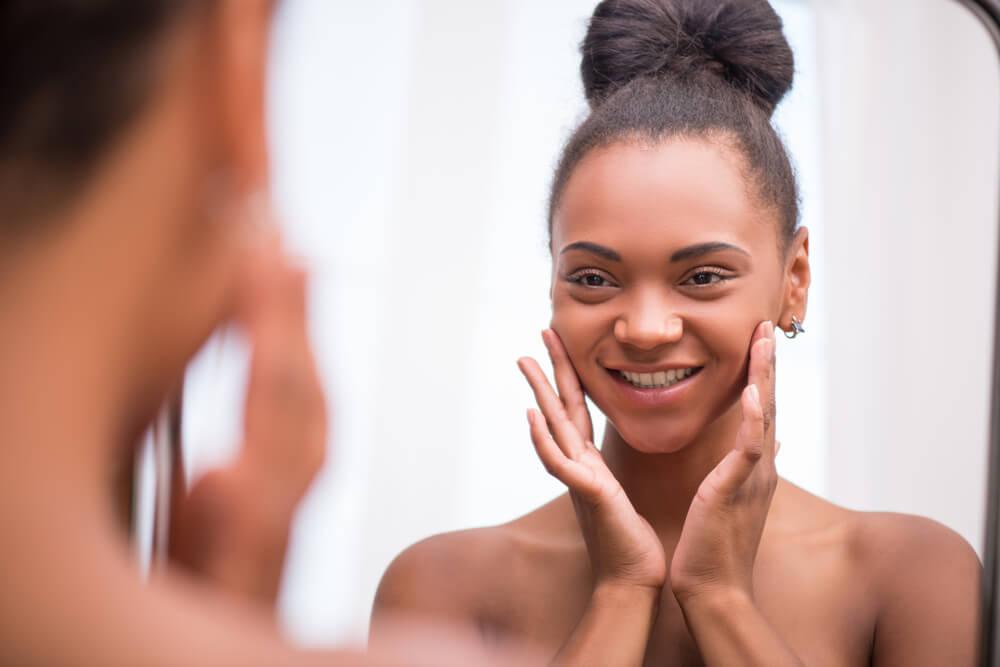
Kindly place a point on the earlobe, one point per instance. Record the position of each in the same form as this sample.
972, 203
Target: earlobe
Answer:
794, 328
797, 280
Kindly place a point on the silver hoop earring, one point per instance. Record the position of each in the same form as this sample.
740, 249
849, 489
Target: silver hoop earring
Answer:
797, 329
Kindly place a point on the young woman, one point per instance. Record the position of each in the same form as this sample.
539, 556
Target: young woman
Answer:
676, 255
132, 162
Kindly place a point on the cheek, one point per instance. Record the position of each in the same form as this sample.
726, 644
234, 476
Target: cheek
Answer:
581, 328
725, 332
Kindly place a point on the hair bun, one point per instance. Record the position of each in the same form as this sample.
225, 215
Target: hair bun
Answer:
740, 41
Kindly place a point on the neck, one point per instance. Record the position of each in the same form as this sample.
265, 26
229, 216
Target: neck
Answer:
74, 391
662, 486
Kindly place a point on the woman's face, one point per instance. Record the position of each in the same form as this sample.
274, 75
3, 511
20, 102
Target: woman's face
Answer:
663, 265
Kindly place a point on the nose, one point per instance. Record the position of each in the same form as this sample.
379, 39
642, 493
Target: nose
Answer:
648, 325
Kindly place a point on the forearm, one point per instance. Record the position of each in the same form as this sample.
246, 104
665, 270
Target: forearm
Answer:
731, 631
614, 629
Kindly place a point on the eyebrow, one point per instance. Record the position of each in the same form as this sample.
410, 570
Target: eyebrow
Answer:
694, 251
595, 248
691, 252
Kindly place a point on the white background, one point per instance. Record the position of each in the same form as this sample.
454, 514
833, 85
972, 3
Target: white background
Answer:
414, 142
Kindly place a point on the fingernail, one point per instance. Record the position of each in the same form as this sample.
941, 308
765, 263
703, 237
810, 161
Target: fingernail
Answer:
755, 394
769, 329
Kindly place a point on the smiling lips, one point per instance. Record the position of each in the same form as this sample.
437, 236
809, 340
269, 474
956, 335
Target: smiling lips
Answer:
657, 380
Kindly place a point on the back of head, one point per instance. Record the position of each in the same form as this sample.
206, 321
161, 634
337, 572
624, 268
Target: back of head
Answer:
73, 73
655, 69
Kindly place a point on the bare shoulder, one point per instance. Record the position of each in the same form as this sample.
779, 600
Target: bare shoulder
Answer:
911, 583
442, 575
926, 578
459, 577
882, 542
898, 548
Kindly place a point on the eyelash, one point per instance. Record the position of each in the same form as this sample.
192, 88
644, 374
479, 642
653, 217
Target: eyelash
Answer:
721, 274
579, 277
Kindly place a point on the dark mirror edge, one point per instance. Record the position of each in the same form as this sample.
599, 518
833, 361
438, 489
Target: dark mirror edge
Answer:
988, 11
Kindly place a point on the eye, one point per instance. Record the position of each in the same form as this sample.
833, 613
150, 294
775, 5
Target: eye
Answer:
590, 278
707, 277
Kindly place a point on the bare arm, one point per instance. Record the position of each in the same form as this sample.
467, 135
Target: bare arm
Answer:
614, 629
730, 630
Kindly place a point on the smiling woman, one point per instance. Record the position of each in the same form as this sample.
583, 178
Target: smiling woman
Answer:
691, 265
676, 255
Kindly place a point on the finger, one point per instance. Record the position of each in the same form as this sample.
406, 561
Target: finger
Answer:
566, 435
568, 384
739, 464
762, 374
285, 413
573, 474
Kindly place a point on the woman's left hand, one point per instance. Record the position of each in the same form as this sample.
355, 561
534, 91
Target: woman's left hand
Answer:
718, 543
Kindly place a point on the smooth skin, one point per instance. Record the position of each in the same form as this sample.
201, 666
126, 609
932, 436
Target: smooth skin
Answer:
101, 309
677, 542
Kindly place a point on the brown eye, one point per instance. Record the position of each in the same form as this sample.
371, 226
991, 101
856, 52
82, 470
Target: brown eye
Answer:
590, 279
706, 278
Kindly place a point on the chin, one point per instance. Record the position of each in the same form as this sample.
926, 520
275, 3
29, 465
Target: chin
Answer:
652, 436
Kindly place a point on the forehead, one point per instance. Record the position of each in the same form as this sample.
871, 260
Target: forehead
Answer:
661, 196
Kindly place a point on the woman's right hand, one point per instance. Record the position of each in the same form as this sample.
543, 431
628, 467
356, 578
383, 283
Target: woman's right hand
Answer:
233, 527
624, 550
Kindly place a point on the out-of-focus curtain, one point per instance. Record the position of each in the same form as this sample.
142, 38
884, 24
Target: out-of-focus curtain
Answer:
910, 131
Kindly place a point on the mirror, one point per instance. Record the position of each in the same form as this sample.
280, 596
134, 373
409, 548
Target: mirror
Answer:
414, 144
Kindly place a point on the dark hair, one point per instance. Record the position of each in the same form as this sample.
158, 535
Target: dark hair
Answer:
73, 73
655, 69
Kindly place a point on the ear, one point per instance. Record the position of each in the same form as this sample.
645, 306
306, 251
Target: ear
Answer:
797, 279
239, 40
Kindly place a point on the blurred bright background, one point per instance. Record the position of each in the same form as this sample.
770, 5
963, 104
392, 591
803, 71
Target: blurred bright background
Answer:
413, 145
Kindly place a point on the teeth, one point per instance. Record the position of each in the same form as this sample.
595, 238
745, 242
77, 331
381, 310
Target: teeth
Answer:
657, 380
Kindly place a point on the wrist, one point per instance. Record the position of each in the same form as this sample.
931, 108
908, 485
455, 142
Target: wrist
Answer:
625, 595
717, 602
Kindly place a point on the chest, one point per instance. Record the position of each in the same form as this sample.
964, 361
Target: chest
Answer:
822, 615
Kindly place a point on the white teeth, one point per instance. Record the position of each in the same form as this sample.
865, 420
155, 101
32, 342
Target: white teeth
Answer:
657, 380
